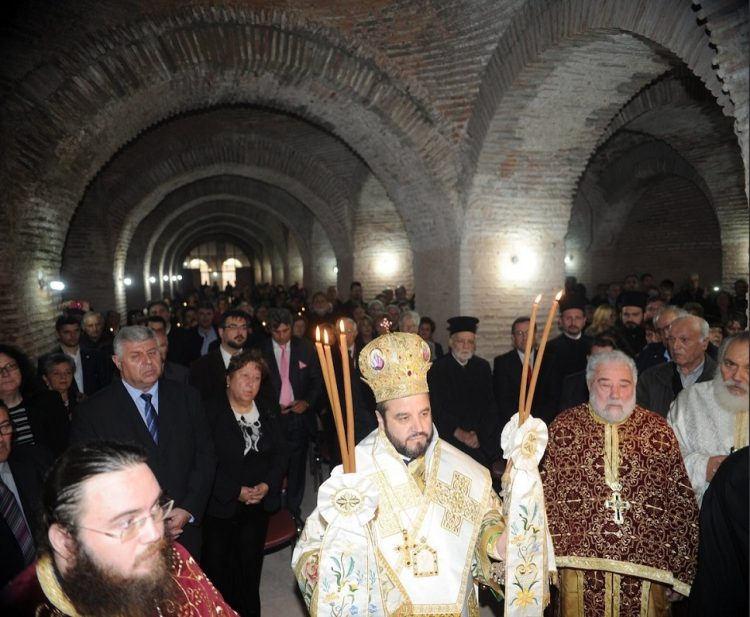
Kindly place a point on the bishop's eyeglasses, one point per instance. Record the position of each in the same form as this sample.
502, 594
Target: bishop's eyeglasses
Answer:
131, 528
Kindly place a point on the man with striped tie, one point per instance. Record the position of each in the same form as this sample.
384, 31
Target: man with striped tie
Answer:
21, 479
164, 417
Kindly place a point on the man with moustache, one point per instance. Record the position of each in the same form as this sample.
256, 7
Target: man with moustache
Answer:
414, 529
621, 511
461, 395
103, 549
710, 419
163, 417
631, 336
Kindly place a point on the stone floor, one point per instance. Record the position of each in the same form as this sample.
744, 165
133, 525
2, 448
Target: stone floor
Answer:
278, 589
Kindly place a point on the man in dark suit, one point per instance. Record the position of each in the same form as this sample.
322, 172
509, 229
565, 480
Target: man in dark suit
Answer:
209, 373
298, 393
184, 345
21, 478
506, 377
93, 371
162, 416
687, 340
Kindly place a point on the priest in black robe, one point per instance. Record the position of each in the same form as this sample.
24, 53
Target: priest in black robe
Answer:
570, 350
463, 406
631, 335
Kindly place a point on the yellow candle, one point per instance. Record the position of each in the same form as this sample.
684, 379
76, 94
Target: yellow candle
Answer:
527, 355
327, 381
336, 404
344, 349
539, 354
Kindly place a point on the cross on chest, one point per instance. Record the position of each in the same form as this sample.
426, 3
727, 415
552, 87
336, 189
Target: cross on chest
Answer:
618, 505
406, 548
459, 506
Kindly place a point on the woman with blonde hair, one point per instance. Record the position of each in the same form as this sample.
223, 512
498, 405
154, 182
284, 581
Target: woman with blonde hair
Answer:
603, 321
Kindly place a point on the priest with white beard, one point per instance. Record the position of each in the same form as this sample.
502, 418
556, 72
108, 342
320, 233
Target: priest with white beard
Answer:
710, 419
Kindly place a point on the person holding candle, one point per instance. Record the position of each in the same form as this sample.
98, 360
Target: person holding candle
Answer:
417, 526
461, 395
296, 383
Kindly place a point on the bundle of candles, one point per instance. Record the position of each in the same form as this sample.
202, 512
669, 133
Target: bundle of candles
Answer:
525, 398
345, 433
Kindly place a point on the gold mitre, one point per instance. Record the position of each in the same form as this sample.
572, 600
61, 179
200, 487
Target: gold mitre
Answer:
395, 365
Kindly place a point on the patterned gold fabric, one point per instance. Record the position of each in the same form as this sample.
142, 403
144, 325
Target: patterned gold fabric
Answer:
395, 365
657, 538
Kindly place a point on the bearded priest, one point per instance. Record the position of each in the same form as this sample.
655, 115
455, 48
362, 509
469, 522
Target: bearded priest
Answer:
620, 507
418, 524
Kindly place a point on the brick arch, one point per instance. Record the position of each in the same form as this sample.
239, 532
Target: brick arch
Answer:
247, 243
671, 25
540, 139
140, 253
196, 233
264, 227
679, 111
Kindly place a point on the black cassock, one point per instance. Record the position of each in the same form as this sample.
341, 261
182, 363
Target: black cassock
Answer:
567, 356
721, 581
461, 397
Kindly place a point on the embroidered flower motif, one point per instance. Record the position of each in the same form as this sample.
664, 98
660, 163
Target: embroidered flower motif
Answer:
524, 598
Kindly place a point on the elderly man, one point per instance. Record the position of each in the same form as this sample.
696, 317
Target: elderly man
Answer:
422, 520
103, 550
162, 416
409, 322
656, 352
710, 419
94, 335
622, 514
687, 340
461, 395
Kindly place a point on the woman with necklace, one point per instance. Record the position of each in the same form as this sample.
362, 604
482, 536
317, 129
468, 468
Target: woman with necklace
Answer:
251, 464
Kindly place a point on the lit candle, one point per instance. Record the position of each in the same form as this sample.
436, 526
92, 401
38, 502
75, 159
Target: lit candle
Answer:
327, 381
539, 354
527, 355
344, 349
333, 396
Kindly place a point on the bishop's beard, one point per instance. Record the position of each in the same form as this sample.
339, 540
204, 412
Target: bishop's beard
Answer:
97, 592
730, 402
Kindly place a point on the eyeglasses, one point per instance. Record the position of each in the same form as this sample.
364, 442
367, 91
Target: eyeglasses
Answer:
131, 529
8, 368
6, 428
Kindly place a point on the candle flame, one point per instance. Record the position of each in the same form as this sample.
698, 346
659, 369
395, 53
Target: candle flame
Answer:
317, 334
538, 299
559, 295
325, 337
341, 326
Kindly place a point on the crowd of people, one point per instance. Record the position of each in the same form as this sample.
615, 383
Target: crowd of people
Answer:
224, 395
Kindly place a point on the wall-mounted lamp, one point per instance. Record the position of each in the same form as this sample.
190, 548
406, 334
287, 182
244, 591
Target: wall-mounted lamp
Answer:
45, 284
568, 259
717, 288
335, 269
152, 279
165, 278
179, 277
127, 281
520, 263
56, 285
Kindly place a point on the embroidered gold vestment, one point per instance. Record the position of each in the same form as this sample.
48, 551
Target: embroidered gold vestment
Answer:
621, 511
428, 540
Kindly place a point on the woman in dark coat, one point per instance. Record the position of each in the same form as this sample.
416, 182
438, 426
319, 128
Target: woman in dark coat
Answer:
251, 464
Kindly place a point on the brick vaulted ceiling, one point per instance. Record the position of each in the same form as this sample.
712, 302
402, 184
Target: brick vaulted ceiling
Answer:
126, 125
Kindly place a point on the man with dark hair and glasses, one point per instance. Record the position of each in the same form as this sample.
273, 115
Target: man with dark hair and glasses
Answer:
102, 547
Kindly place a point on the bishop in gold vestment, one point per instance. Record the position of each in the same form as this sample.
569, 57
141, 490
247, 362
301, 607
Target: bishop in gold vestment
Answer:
416, 527
621, 510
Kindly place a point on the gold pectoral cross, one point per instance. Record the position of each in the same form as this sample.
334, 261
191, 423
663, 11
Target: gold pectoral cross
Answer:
421, 558
617, 504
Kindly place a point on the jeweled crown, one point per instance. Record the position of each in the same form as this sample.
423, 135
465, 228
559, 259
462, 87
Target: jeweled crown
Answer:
395, 365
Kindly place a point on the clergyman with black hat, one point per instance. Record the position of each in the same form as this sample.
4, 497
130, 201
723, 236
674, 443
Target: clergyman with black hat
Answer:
461, 395
631, 335
413, 530
570, 350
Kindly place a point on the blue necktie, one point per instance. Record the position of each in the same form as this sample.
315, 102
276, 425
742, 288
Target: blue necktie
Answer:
151, 418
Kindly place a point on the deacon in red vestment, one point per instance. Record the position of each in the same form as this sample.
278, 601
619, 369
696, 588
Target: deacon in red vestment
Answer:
620, 506
103, 551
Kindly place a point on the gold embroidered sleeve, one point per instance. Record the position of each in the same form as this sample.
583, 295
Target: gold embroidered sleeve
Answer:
492, 526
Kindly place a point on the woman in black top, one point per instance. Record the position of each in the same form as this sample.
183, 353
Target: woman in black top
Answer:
251, 465
39, 416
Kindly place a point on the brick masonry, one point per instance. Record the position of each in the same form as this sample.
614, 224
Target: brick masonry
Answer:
458, 137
